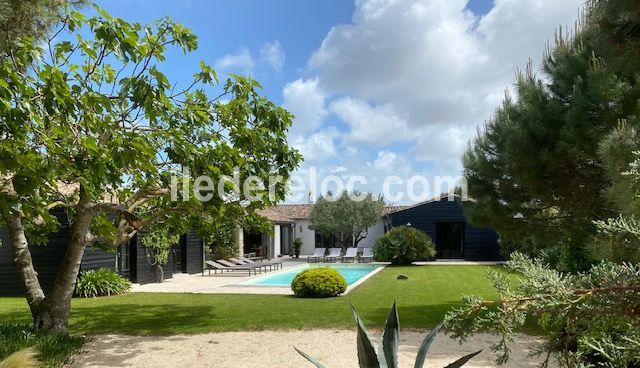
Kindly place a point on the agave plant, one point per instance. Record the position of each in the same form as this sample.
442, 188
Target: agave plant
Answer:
387, 355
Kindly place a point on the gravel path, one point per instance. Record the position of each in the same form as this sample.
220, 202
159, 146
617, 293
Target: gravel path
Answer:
334, 348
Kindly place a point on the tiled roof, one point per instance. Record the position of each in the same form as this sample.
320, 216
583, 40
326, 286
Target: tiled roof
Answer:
390, 209
291, 212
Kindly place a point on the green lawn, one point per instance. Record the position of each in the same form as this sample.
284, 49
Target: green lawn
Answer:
423, 300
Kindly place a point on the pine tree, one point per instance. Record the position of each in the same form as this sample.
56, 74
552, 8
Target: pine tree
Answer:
535, 171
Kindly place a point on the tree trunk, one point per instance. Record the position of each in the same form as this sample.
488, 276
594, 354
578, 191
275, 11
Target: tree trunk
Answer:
24, 264
54, 313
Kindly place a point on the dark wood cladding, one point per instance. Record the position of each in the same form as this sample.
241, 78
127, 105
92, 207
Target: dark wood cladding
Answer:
480, 244
192, 253
46, 259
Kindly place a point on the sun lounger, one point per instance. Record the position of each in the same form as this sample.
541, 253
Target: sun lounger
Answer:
231, 264
240, 262
334, 254
220, 267
248, 262
367, 254
351, 254
275, 264
318, 253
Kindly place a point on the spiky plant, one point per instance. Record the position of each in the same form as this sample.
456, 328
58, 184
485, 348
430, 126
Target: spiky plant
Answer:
387, 355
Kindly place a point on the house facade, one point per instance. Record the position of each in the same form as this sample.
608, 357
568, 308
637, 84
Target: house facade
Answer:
440, 218
130, 260
445, 223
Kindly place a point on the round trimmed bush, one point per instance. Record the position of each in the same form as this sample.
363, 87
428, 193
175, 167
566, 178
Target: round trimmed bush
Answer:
403, 245
321, 282
101, 282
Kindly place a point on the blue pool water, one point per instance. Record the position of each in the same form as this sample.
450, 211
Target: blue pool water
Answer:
351, 273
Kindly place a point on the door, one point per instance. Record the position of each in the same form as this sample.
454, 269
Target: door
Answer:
449, 239
124, 260
177, 258
285, 238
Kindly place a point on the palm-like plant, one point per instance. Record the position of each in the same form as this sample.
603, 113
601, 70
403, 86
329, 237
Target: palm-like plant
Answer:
387, 355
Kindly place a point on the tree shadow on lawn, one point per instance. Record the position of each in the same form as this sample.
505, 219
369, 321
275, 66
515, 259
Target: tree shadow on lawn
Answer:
136, 319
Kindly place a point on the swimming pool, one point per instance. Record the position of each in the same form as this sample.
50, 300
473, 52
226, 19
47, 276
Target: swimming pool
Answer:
351, 272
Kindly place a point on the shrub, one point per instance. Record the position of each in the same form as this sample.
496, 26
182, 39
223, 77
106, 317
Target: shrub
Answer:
403, 245
54, 349
101, 282
319, 283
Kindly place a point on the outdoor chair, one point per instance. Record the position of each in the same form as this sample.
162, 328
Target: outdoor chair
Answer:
241, 262
350, 254
224, 262
221, 267
367, 254
317, 254
275, 264
334, 254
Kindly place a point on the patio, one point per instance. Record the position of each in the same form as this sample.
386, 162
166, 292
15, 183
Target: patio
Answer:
220, 283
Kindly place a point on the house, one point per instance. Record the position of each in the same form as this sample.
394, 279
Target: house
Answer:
443, 220
130, 260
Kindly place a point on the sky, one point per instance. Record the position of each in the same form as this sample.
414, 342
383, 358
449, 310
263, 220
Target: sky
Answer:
379, 88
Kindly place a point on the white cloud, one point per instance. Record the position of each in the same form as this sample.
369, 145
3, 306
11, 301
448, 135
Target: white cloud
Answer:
318, 146
304, 99
370, 124
272, 54
430, 70
422, 73
240, 61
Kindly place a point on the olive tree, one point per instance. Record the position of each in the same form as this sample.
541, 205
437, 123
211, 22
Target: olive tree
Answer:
91, 125
348, 216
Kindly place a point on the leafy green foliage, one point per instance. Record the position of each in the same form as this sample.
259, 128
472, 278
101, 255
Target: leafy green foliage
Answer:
320, 282
160, 240
101, 282
297, 245
54, 350
223, 242
96, 128
403, 245
348, 216
536, 172
590, 319
387, 355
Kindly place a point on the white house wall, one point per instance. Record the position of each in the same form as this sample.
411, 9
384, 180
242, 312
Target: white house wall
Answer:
307, 235
374, 233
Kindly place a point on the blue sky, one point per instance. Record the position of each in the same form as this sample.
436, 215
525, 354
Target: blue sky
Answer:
378, 87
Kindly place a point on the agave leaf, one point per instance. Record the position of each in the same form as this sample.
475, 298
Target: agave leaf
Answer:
391, 338
462, 361
426, 344
312, 360
367, 357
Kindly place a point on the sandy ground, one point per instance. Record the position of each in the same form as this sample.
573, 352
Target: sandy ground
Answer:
274, 349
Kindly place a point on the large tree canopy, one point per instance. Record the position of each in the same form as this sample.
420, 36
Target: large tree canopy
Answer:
347, 216
536, 172
93, 126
